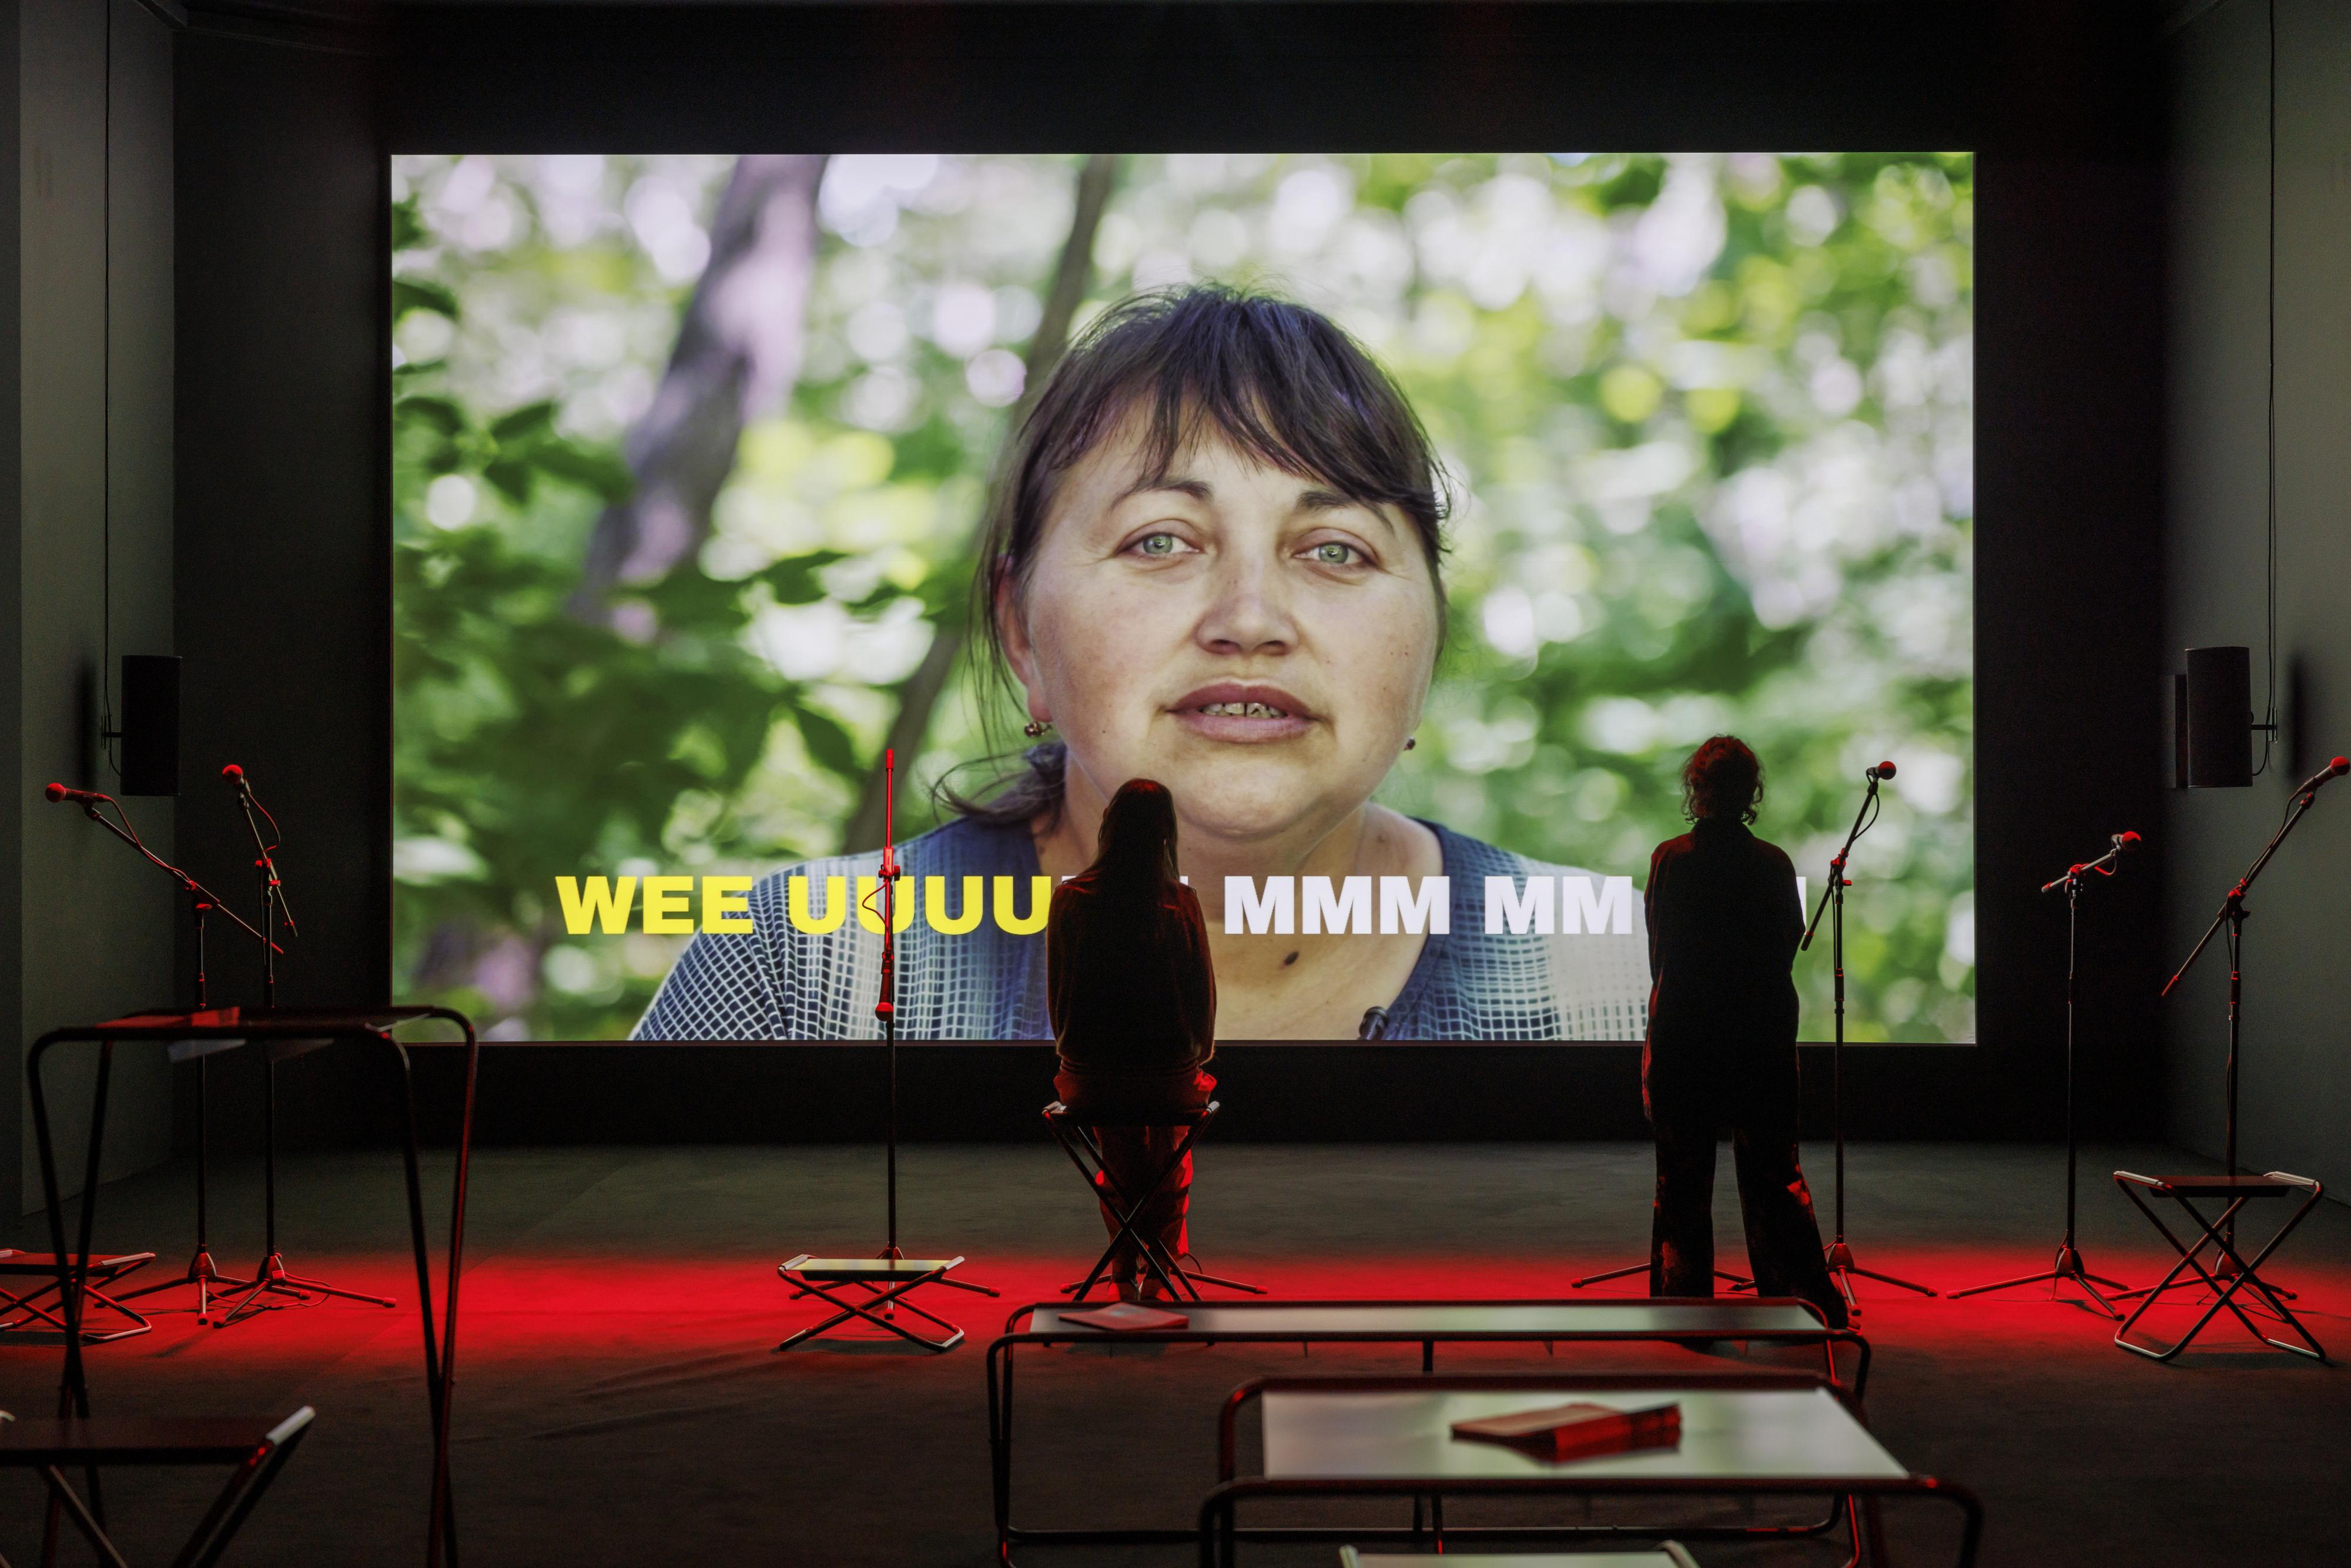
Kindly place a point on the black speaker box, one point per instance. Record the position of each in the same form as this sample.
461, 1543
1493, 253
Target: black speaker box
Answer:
2219, 714
150, 724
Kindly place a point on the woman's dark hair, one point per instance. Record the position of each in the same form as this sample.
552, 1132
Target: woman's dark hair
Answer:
1722, 778
1280, 382
1136, 849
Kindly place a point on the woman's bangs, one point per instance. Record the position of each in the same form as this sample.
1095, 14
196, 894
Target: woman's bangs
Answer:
1328, 442
1272, 380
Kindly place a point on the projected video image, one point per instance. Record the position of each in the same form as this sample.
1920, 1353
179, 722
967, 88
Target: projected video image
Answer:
1411, 517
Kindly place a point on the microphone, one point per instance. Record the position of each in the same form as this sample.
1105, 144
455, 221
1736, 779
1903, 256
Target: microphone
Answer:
1883, 770
58, 792
2124, 843
2335, 770
235, 776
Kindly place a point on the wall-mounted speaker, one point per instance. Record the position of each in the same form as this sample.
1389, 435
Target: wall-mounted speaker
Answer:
150, 724
2218, 718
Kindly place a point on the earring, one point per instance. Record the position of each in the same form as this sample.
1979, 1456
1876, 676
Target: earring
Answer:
1036, 727
1410, 741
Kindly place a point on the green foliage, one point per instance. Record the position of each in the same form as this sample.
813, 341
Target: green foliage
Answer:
1708, 417
535, 732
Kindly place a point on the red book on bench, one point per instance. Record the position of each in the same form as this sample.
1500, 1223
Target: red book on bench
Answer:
1579, 1430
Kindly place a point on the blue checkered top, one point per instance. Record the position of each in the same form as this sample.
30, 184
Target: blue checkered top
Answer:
775, 982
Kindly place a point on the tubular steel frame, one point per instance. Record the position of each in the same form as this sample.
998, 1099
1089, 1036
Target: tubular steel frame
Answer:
1218, 1530
1000, 1358
237, 1027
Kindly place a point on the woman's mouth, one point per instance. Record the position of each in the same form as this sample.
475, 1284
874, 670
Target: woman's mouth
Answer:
1233, 712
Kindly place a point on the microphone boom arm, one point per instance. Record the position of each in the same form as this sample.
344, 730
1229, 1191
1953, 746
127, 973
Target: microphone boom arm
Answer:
2232, 905
2077, 873
188, 884
1836, 866
264, 849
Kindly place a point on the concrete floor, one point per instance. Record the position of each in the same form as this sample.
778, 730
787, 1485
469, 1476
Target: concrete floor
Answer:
619, 1401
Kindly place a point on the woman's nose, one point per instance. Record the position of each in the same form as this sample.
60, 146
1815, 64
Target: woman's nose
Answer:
1249, 610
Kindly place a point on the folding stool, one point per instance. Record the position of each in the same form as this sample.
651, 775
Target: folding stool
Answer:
102, 1270
886, 1282
2236, 1191
1077, 1140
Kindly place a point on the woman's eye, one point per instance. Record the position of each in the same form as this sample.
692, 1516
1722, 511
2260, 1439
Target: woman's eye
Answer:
1332, 553
1160, 547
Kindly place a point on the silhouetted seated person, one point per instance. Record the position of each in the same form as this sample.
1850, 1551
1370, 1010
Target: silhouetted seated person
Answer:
1133, 999
1724, 922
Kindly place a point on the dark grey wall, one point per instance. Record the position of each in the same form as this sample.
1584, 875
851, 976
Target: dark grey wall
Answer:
284, 587
2296, 1069
92, 929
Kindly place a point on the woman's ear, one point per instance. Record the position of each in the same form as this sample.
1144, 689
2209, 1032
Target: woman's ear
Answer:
1012, 632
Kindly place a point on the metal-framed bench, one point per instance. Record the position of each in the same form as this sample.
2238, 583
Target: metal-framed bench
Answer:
1669, 1555
255, 1450
1427, 1324
227, 1028
1748, 1436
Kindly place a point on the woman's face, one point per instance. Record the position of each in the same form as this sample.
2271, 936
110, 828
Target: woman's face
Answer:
1254, 641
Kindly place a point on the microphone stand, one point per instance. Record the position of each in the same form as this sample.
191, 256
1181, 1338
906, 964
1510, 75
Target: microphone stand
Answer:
2068, 1265
203, 904
886, 1007
2232, 917
887, 1279
1839, 1255
272, 1278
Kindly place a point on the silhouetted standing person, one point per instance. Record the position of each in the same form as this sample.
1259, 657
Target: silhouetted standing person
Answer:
1724, 921
1133, 999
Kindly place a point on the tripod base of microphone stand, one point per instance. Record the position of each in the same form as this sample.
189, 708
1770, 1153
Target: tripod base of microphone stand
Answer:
2068, 1267
1736, 1281
208, 1281
276, 1281
1841, 1268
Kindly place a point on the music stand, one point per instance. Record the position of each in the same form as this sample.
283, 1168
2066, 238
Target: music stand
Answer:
2231, 916
272, 1278
200, 1272
1838, 1255
890, 1279
2068, 1264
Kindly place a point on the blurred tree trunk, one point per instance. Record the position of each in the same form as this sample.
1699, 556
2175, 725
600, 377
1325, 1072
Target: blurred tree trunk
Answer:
919, 697
737, 354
